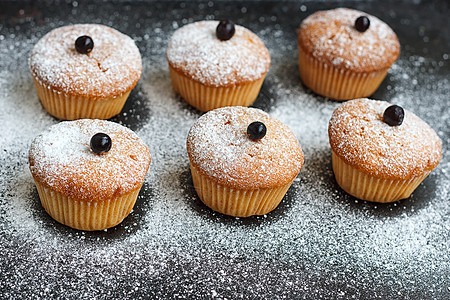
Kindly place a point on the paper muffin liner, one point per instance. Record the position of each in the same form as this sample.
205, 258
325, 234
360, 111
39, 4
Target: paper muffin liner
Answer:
337, 83
235, 202
85, 215
206, 98
68, 107
366, 187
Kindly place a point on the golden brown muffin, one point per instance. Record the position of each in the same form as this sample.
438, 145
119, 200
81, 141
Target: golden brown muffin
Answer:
340, 62
84, 189
73, 85
209, 73
236, 175
375, 161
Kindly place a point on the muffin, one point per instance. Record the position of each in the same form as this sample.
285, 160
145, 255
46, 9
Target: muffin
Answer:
381, 152
85, 71
242, 160
214, 64
88, 173
344, 53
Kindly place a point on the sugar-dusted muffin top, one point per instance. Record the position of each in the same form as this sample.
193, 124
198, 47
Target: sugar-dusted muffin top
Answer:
112, 67
219, 147
195, 51
359, 136
331, 37
61, 158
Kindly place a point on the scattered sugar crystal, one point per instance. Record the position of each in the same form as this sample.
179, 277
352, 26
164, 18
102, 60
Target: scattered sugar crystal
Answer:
319, 242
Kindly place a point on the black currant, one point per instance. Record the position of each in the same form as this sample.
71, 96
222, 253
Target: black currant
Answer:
393, 115
362, 23
256, 130
225, 30
84, 44
101, 143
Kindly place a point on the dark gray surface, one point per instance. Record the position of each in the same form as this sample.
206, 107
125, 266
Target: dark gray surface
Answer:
284, 269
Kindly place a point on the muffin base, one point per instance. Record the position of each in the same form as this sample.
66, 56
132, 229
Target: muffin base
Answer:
85, 215
206, 98
68, 107
337, 84
235, 202
366, 187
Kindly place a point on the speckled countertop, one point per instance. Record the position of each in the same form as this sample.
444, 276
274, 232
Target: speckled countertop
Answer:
319, 243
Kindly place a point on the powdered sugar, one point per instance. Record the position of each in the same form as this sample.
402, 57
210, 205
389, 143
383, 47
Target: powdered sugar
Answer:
112, 68
319, 243
195, 50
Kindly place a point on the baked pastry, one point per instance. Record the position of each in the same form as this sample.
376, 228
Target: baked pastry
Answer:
85, 71
214, 64
88, 173
380, 152
344, 53
242, 160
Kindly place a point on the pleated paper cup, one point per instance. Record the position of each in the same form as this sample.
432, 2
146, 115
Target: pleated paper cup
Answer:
206, 98
367, 187
337, 84
236, 202
68, 107
86, 215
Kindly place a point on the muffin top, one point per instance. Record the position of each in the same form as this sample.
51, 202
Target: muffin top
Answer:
112, 67
359, 135
331, 37
219, 147
195, 51
62, 159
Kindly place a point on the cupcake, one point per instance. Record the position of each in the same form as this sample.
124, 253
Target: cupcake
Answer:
88, 173
242, 160
85, 71
214, 64
344, 53
381, 152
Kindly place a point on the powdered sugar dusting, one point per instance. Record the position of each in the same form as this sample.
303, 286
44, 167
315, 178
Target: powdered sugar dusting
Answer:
219, 146
195, 50
319, 243
359, 135
112, 68
61, 158
330, 37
